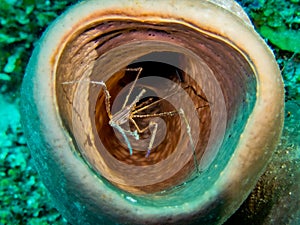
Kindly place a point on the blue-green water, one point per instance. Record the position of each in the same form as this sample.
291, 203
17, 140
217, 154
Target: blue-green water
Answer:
23, 197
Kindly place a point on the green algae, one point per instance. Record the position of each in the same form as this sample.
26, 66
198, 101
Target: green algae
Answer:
22, 22
284, 39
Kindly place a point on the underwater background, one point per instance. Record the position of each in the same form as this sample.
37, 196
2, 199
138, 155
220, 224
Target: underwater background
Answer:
24, 199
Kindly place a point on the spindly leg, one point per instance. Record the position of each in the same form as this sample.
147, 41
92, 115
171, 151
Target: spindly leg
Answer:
145, 103
139, 70
107, 96
122, 131
151, 125
171, 113
137, 98
154, 125
188, 128
122, 116
101, 83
